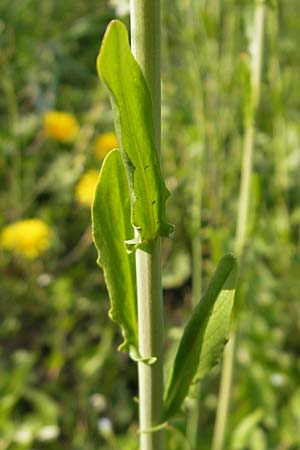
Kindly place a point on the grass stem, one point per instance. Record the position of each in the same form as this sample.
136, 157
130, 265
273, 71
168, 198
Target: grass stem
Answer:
256, 51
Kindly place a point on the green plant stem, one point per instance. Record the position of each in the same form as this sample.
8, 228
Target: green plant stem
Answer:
145, 43
194, 69
243, 206
242, 219
193, 413
224, 395
230, 349
193, 418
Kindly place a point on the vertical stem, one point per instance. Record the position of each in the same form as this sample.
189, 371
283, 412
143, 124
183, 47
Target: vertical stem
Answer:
145, 46
194, 71
245, 183
145, 43
193, 413
150, 344
256, 50
224, 395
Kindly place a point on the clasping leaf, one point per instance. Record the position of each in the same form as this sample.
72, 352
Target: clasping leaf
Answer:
132, 105
204, 336
111, 227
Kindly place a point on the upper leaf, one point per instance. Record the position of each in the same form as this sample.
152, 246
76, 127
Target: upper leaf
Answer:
131, 101
111, 226
204, 336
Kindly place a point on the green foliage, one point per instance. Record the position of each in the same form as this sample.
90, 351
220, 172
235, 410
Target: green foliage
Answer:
111, 228
55, 337
132, 106
204, 336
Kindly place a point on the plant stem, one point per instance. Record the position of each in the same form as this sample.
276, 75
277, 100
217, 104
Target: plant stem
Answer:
256, 51
193, 413
193, 417
145, 46
193, 68
224, 395
145, 43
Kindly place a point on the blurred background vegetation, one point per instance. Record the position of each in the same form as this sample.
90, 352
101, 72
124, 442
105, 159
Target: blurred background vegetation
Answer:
63, 385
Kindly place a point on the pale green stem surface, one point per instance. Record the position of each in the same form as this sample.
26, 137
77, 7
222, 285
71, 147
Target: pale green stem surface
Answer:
192, 8
145, 44
193, 414
224, 396
243, 206
256, 50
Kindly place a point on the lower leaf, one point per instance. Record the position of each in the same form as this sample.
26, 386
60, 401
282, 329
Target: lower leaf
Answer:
204, 336
111, 228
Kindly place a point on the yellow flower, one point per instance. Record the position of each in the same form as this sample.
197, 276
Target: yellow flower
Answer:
60, 126
28, 238
104, 143
85, 188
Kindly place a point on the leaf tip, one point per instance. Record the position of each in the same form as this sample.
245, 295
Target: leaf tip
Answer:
115, 29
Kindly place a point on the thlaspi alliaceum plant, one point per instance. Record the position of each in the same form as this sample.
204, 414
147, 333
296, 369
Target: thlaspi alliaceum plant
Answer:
128, 217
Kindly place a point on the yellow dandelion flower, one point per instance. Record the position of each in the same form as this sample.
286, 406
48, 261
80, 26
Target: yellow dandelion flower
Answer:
60, 126
104, 143
28, 238
85, 187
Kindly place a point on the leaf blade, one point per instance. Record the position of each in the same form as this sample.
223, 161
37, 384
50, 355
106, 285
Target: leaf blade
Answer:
132, 105
204, 336
111, 227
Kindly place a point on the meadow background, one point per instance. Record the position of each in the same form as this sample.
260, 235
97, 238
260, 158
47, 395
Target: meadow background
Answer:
63, 385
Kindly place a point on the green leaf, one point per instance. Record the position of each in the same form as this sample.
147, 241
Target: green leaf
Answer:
204, 336
131, 102
111, 227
